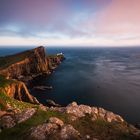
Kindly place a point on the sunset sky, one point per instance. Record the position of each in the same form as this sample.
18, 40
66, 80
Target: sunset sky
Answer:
70, 22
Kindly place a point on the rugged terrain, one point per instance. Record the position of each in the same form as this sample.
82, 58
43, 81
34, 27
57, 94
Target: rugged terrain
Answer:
17, 71
23, 117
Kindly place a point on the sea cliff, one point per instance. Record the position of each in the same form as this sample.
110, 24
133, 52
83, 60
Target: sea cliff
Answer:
28, 64
23, 117
17, 70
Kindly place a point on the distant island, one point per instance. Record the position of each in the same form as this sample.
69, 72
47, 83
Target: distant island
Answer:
22, 116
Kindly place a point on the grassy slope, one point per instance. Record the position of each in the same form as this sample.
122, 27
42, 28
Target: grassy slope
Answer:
4, 82
15, 104
11, 59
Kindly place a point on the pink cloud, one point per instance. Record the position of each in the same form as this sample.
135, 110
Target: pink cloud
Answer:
120, 17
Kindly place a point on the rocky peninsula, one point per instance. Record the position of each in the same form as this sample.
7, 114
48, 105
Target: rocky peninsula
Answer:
23, 117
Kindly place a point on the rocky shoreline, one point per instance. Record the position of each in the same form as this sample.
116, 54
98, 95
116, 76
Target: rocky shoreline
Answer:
23, 117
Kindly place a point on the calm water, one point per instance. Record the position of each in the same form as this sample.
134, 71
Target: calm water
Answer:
105, 77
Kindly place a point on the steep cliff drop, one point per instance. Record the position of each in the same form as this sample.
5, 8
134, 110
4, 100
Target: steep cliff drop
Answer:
24, 67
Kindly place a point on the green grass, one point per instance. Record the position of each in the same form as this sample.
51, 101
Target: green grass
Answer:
19, 132
4, 82
15, 104
9, 60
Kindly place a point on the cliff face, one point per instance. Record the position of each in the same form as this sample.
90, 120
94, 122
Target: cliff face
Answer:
19, 91
33, 63
24, 67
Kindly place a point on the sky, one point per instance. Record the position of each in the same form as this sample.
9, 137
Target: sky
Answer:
70, 22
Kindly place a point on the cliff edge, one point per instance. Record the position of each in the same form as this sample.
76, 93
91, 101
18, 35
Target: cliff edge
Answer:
16, 70
28, 63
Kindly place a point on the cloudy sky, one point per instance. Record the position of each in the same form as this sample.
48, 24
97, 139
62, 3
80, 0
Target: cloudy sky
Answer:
70, 22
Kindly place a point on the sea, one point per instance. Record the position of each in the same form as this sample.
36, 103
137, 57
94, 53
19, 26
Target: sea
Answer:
102, 77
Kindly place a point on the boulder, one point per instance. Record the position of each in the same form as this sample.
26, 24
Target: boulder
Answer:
7, 121
56, 121
69, 133
42, 131
25, 115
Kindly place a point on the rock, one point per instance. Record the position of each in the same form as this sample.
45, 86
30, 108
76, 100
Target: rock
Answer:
110, 116
74, 110
94, 110
88, 137
7, 121
25, 115
56, 121
43, 88
85, 109
42, 131
101, 112
52, 103
73, 104
33, 62
78, 111
69, 133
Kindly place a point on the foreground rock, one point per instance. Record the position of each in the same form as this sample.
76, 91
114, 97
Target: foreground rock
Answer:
78, 111
54, 128
10, 120
73, 122
25, 115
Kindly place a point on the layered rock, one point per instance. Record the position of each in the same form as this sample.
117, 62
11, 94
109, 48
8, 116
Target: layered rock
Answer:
29, 63
24, 67
34, 62
19, 91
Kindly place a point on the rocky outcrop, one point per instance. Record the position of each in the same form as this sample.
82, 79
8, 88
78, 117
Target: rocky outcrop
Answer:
10, 120
78, 111
19, 91
54, 127
34, 62
58, 123
29, 64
